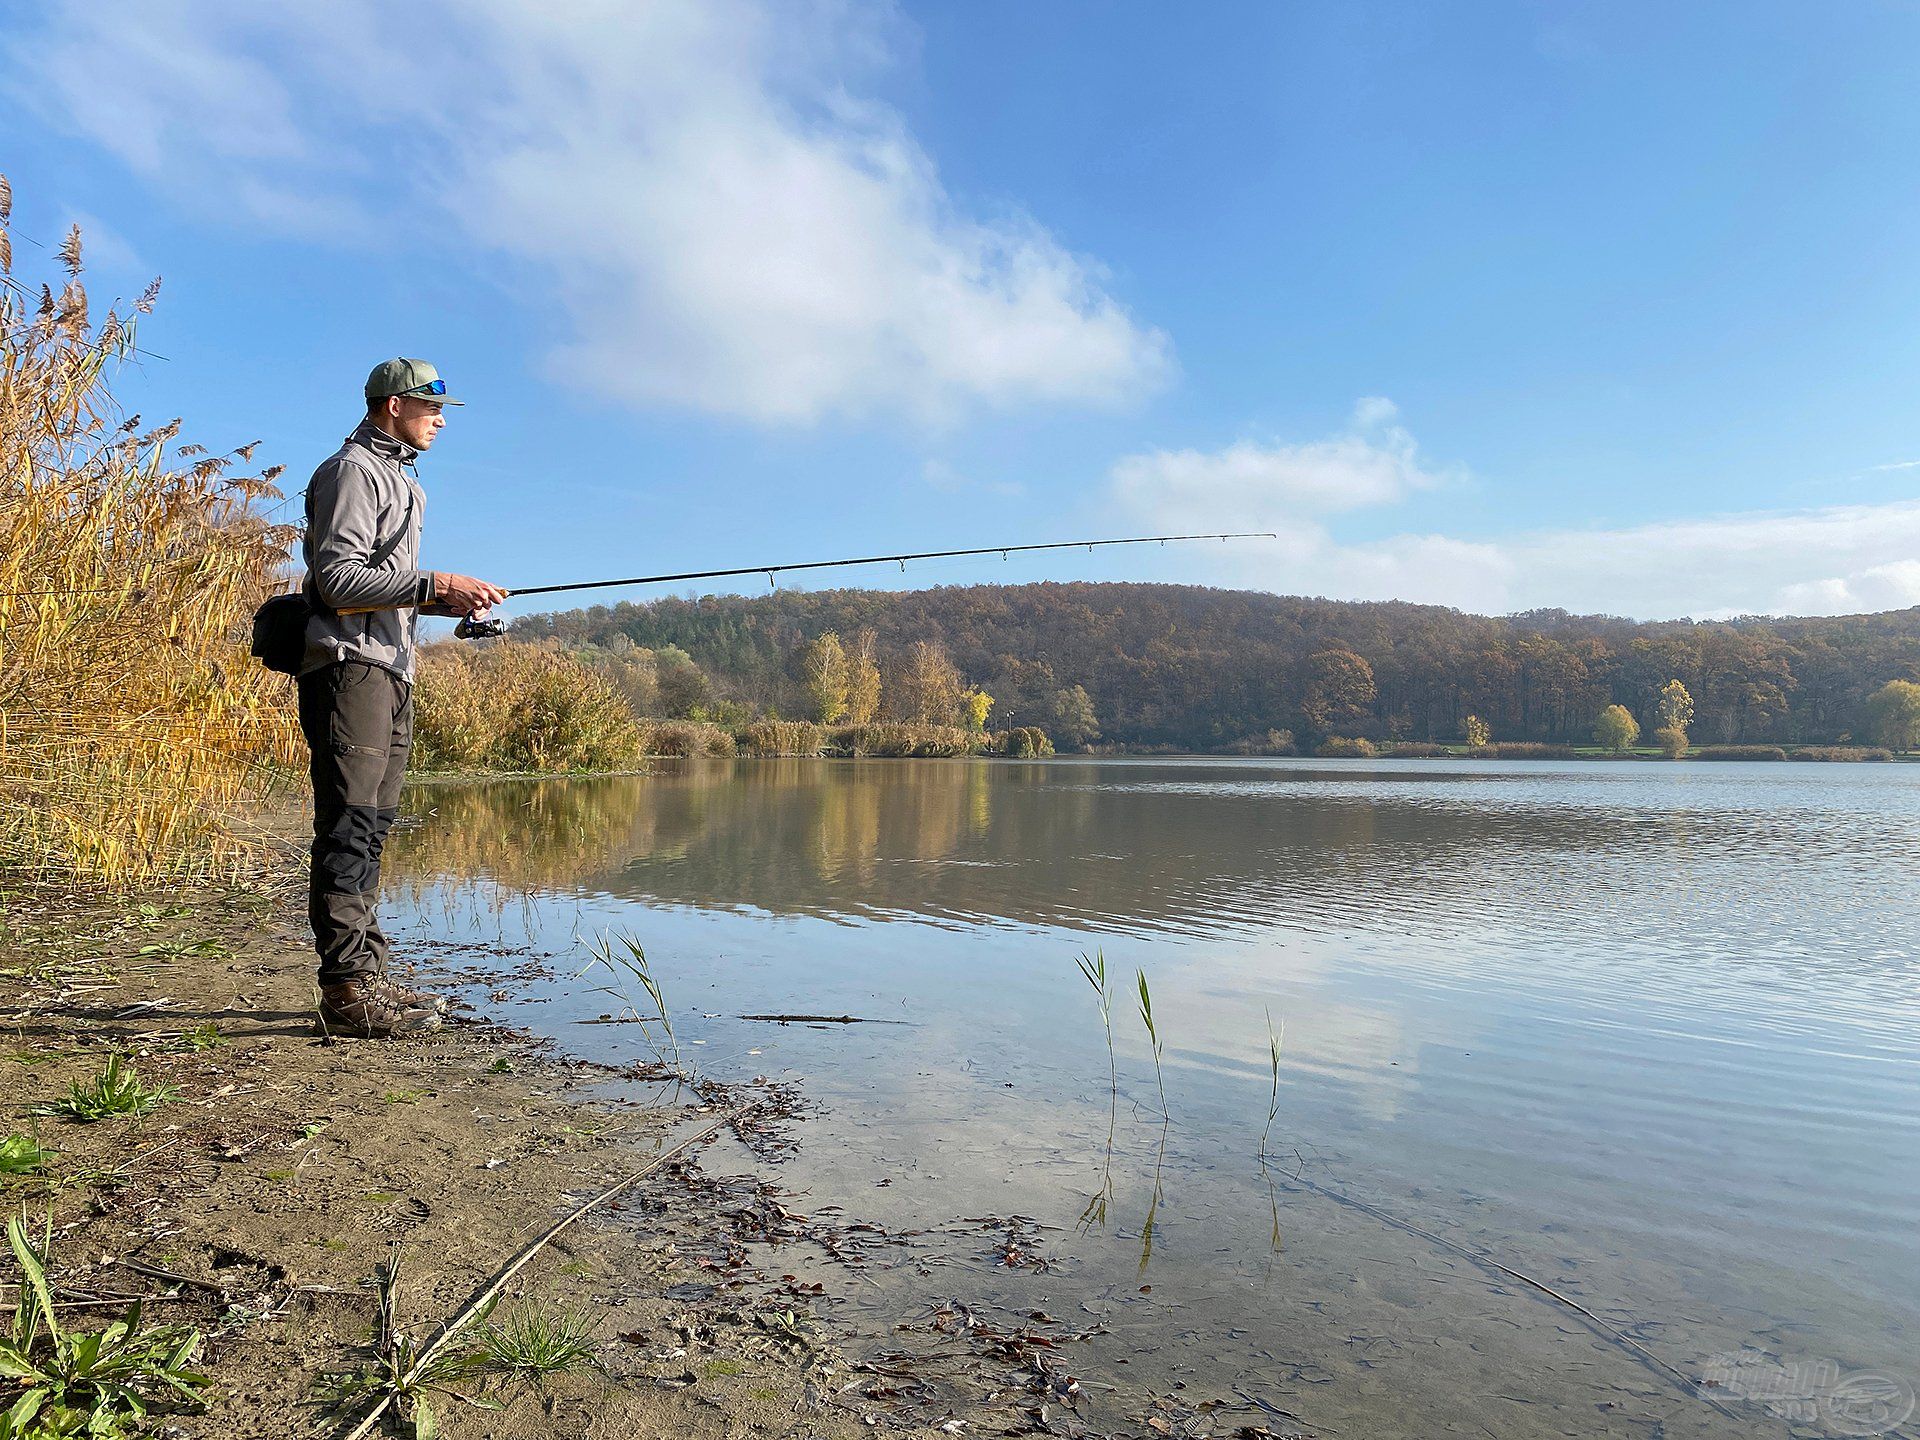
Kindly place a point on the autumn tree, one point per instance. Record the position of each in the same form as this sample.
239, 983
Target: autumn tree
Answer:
681, 685
1894, 712
1073, 718
1339, 688
974, 705
630, 670
1672, 713
863, 681
1673, 710
1616, 728
926, 687
828, 676
1478, 733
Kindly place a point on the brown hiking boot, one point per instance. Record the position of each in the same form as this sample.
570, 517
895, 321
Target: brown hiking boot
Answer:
415, 997
374, 1009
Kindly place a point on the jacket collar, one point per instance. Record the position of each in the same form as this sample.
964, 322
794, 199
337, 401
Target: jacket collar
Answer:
382, 444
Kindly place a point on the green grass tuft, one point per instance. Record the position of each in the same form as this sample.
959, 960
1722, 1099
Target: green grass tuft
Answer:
530, 1342
116, 1090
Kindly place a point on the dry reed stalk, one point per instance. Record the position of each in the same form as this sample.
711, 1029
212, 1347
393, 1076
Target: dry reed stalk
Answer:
132, 720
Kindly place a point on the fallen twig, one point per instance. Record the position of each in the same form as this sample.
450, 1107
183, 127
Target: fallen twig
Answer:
141, 1267
513, 1267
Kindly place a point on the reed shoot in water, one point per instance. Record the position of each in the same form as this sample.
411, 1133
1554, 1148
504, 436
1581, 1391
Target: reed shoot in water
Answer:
1153, 1037
630, 960
1094, 971
1274, 1039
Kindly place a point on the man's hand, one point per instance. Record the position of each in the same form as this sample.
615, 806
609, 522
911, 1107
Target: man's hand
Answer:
464, 595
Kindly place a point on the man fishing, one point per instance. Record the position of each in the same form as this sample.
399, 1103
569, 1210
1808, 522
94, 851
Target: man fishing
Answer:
363, 583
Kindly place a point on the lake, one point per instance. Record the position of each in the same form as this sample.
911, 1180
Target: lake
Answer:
1645, 1035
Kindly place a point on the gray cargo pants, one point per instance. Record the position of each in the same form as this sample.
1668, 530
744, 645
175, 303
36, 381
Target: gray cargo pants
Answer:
358, 720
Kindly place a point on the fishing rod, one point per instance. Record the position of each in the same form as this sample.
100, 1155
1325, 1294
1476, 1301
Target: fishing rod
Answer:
479, 629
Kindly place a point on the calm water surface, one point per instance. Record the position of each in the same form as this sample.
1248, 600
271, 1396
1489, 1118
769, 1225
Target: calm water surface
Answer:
1646, 1033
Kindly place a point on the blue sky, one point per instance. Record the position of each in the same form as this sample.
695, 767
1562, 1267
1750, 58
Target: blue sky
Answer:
1612, 307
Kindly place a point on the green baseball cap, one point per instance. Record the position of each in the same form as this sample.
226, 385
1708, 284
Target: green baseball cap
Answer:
408, 377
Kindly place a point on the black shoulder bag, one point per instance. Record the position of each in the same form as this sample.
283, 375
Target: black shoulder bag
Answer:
280, 625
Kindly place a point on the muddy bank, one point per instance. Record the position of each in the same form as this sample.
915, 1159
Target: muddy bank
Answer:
258, 1201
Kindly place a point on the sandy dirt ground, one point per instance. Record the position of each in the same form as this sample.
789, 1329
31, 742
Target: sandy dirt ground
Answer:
259, 1202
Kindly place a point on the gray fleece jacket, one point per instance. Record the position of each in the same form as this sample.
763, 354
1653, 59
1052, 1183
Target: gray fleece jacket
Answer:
360, 497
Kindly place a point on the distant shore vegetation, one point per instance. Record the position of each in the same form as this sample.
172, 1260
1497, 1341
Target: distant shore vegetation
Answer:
533, 707
1122, 668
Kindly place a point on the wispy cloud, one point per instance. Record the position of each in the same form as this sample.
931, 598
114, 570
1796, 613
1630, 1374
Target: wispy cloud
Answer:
1832, 560
718, 218
1256, 486
1895, 465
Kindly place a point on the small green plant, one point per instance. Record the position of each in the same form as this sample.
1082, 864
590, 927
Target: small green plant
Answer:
502, 1066
85, 1382
1153, 1038
184, 949
630, 961
405, 1374
529, 1342
1274, 1039
116, 1090
793, 1325
22, 1155
202, 1037
405, 1097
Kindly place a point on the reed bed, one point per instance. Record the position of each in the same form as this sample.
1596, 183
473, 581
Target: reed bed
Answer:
781, 737
518, 707
133, 723
1341, 747
1520, 750
1841, 753
1738, 752
686, 739
901, 740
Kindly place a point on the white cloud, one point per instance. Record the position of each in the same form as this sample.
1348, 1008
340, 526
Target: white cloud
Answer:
1836, 560
720, 221
1253, 486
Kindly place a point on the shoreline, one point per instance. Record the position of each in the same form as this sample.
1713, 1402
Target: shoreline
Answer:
1805, 754
258, 1203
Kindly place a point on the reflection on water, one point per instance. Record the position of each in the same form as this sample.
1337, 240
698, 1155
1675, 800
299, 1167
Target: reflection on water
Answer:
1644, 1033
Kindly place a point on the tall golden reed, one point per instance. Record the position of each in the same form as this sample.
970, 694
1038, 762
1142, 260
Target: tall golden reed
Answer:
505, 705
133, 724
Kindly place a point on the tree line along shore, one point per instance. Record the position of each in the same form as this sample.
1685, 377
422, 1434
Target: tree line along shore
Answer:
535, 707
1190, 668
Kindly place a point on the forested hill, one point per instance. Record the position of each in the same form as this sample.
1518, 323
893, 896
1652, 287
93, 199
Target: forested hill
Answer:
1198, 668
